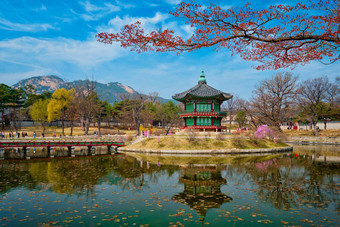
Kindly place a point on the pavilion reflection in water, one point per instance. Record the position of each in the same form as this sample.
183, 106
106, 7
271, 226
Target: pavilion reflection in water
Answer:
202, 189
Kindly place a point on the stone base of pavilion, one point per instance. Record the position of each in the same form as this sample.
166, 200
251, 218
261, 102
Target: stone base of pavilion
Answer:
210, 128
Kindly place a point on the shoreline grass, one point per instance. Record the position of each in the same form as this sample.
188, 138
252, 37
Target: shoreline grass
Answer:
176, 143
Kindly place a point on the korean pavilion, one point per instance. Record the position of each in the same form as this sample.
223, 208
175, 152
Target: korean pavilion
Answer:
202, 106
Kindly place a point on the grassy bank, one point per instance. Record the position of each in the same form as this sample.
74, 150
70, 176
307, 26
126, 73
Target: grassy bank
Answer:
176, 143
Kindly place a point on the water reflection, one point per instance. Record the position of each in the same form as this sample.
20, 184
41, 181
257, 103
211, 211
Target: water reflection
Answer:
202, 189
284, 182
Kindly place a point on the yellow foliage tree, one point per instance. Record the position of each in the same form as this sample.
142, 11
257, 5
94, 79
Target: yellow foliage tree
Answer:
39, 112
58, 105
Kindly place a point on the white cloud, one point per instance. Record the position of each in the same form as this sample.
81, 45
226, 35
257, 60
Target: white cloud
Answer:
42, 8
118, 22
35, 27
173, 2
94, 12
50, 52
126, 6
148, 24
226, 7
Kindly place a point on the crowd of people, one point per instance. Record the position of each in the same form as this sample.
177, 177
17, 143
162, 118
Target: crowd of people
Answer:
18, 135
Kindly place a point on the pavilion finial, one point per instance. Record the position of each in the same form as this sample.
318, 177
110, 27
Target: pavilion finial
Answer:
202, 78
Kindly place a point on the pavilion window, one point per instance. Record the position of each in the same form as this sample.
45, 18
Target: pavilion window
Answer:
216, 107
190, 108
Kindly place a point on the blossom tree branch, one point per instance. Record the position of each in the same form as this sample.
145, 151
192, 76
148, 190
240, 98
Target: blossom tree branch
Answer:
278, 37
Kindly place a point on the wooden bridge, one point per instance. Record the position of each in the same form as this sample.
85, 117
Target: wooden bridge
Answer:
50, 145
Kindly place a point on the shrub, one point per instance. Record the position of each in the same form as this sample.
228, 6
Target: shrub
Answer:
237, 142
264, 132
129, 138
220, 136
159, 132
192, 136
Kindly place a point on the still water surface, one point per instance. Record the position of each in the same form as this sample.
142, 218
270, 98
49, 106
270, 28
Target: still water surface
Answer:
299, 188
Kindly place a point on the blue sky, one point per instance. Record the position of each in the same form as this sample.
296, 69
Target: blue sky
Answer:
58, 38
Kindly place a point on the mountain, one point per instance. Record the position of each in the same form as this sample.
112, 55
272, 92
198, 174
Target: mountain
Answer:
110, 92
42, 83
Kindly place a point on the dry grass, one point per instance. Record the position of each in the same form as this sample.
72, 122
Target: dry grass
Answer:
322, 133
176, 143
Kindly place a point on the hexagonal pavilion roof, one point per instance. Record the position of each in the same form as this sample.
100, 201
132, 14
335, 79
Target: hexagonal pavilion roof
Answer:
202, 90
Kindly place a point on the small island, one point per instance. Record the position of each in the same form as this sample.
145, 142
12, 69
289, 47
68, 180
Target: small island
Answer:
218, 145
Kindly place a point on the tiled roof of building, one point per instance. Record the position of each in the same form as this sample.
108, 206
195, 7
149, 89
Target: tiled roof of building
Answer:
202, 90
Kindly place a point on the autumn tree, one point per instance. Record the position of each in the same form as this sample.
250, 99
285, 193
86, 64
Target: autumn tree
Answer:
273, 98
279, 36
311, 95
39, 112
58, 105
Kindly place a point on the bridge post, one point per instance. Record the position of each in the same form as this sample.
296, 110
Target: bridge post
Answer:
2, 153
111, 149
50, 152
27, 152
71, 151
91, 150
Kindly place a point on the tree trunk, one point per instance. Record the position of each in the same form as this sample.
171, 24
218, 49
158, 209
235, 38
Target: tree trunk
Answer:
87, 126
229, 122
99, 132
2, 119
62, 126
71, 133
315, 129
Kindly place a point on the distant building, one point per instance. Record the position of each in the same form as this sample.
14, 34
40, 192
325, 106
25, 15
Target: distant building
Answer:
202, 105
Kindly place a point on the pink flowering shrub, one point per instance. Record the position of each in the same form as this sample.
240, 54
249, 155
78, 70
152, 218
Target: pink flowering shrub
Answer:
264, 132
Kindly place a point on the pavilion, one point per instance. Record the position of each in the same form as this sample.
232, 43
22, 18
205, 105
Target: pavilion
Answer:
202, 106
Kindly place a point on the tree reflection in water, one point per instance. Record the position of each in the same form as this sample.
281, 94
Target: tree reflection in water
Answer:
290, 181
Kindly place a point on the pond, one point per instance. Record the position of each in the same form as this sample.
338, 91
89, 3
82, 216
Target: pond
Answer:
299, 188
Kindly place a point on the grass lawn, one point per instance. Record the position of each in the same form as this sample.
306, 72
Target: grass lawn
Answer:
177, 143
307, 133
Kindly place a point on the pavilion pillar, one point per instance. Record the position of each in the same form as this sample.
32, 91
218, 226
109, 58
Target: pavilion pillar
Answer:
195, 121
2, 153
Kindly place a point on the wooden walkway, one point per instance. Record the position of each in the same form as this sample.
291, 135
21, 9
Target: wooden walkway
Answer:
27, 146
